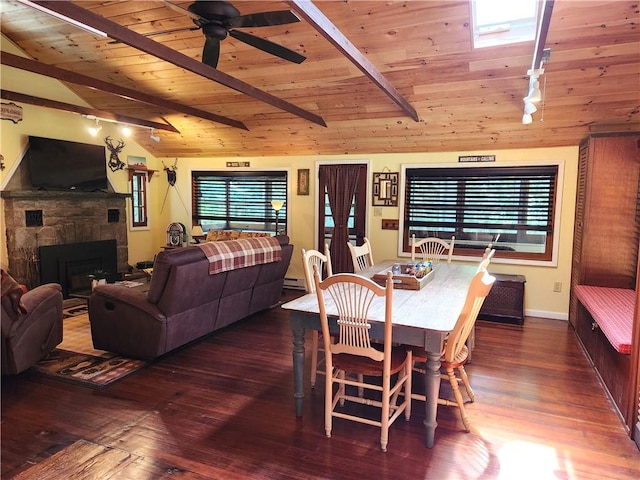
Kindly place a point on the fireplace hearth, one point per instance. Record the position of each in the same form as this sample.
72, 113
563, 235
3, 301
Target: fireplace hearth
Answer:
64, 218
70, 264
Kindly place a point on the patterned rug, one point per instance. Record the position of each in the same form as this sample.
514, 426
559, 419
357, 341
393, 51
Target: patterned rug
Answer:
76, 361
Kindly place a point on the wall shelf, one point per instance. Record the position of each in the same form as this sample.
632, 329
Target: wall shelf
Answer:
132, 170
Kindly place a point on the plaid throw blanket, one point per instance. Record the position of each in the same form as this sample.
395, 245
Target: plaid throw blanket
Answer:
245, 252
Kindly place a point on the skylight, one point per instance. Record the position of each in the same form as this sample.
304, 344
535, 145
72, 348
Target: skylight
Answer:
500, 22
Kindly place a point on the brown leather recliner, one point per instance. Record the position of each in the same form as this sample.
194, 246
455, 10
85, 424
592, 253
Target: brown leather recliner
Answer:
27, 338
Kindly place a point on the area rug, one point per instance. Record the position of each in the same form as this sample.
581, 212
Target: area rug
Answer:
87, 370
76, 361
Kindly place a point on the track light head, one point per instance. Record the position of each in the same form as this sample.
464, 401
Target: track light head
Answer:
529, 107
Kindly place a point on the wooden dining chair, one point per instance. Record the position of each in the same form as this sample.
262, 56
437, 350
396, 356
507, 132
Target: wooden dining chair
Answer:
362, 255
455, 350
483, 265
353, 352
311, 258
432, 248
486, 258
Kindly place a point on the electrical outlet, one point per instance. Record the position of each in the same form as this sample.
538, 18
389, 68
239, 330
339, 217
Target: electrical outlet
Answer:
557, 287
390, 224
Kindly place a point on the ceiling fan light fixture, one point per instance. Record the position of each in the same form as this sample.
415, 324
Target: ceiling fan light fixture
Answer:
527, 119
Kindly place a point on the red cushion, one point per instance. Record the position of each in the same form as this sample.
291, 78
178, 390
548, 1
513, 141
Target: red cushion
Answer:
612, 309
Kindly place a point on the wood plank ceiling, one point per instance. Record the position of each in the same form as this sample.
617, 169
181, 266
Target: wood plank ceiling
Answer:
465, 99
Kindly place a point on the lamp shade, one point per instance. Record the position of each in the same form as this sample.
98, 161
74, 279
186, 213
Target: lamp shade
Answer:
526, 119
277, 204
196, 231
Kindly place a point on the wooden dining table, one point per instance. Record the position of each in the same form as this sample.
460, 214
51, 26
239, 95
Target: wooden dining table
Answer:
422, 318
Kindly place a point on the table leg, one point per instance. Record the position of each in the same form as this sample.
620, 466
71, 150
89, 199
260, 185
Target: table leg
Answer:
298, 367
432, 391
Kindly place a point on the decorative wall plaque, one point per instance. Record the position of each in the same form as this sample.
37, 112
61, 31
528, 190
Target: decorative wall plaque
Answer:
476, 158
11, 111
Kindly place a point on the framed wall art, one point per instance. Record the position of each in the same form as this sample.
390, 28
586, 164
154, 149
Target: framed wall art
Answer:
303, 181
385, 189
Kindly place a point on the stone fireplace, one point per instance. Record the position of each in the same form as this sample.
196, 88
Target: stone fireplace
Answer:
36, 218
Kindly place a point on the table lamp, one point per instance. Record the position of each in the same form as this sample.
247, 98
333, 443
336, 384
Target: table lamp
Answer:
197, 234
277, 205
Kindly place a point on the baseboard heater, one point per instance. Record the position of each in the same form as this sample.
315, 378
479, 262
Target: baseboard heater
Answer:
294, 283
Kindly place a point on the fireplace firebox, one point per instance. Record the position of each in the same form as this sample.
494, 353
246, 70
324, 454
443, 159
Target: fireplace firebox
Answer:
70, 264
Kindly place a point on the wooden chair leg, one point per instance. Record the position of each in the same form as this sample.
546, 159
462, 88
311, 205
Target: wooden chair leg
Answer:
467, 385
314, 357
453, 381
328, 403
407, 390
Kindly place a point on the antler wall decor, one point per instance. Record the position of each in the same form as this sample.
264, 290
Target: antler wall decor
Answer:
114, 162
171, 179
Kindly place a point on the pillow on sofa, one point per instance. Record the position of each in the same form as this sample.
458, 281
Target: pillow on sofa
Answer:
222, 235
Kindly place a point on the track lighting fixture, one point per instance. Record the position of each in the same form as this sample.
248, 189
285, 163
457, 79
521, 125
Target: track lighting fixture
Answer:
153, 137
529, 106
64, 18
93, 131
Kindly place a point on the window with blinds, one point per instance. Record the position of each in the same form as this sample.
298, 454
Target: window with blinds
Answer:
477, 204
239, 200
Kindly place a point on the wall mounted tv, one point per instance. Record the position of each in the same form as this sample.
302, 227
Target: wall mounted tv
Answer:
64, 165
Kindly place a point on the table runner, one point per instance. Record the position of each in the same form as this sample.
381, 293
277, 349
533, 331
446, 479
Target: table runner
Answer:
246, 252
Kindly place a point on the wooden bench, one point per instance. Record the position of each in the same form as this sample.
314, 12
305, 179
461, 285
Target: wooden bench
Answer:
604, 320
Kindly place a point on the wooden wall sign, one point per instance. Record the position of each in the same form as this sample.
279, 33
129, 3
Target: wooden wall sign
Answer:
11, 111
476, 158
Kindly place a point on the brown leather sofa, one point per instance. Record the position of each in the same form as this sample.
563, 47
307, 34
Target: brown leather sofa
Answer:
184, 302
28, 337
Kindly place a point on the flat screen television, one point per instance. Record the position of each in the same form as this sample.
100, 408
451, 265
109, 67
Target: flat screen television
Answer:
65, 165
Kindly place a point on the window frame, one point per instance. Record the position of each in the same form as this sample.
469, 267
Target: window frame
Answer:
141, 196
518, 30
549, 258
269, 218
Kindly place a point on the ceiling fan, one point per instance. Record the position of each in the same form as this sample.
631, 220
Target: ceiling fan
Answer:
217, 19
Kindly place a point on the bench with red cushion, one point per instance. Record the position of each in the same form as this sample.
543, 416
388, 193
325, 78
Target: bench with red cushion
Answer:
612, 310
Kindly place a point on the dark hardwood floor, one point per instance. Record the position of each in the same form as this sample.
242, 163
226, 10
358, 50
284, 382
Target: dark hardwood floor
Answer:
223, 408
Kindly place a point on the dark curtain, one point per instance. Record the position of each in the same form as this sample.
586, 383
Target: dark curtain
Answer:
341, 182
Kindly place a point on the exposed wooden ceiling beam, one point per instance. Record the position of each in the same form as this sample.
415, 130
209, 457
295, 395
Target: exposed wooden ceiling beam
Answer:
79, 79
307, 10
140, 42
68, 107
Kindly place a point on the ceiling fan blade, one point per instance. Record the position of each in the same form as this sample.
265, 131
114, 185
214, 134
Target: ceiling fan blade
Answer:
268, 46
211, 52
264, 19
